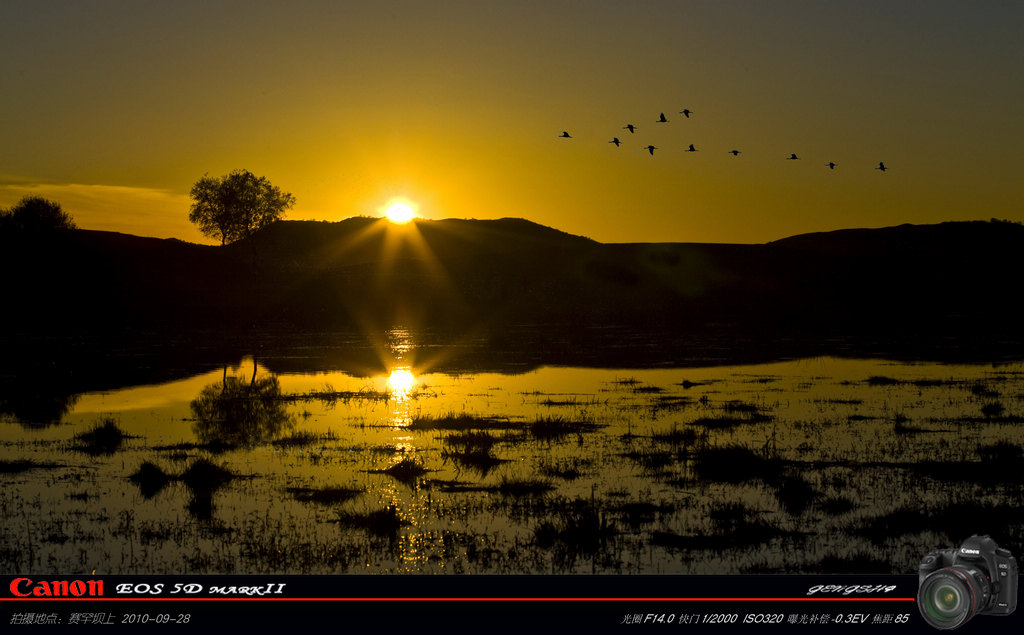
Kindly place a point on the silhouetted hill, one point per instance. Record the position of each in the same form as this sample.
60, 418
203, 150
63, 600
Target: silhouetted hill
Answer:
948, 238
952, 278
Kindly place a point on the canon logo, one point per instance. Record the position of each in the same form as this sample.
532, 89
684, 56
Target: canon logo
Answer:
25, 587
970, 551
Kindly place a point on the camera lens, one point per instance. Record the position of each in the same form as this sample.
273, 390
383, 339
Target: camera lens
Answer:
951, 596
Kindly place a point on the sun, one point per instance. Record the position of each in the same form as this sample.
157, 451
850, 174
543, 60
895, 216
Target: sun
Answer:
400, 212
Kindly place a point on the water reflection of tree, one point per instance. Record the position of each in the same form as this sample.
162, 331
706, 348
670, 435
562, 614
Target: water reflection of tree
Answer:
236, 411
35, 406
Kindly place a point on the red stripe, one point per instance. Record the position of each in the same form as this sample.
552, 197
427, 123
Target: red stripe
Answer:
268, 599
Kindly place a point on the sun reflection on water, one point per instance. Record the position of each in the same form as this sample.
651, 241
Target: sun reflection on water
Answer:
400, 342
401, 383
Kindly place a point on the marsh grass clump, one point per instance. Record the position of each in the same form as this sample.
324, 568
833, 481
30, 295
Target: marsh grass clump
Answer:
899, 426
459, 421
735, 525
687, 384
992, 410
1002, 455
647, 390
213, 447
299, 439
735, 464
568, 402
523, 487
22, 465
860, 417
476, 440
324, 495
981, 390
205, 477
880, 380
656, 460
728, 423
641, 512
678, 435
388, 448
150, 479
737, 413
104, 438
672, 402
452, 487
383, 522
835, 505
728, 517
329, 396
795, 495
736, 406
406, 471
953, 521
579, 528
556, 427
627, 381
475, 458
566, 469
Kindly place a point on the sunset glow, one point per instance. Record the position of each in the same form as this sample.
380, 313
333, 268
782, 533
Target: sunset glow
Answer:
400, 212
161, 103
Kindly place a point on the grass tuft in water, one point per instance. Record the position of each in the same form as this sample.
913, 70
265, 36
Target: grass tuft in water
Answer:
150, 479
523, 487
406, 471
581, 528
22, 465
383, 522
459, 421
324, 495
478, 459
735, 464
104, 438
205, 477
556, 427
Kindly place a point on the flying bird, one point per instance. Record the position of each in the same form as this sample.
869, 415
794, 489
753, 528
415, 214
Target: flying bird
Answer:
685, 111
691, 148
564, 135
616, 141
881, 166
662, 119
650, 149
629, 127
792, 157
734, 153
831, 165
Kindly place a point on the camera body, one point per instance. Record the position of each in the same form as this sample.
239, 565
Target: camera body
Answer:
976, 578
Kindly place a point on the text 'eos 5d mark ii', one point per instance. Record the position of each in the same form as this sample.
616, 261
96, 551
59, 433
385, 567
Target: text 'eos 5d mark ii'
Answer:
977, 578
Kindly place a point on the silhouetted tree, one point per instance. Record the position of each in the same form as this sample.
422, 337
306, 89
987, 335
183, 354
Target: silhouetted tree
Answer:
236, 205
35, 214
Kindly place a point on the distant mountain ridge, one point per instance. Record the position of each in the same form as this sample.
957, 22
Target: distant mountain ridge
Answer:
947, 235
366, 273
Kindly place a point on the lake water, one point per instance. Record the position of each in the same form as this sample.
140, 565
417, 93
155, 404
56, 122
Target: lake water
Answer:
820, 464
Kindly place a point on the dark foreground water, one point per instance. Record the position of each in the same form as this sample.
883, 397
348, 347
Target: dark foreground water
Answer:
394, 459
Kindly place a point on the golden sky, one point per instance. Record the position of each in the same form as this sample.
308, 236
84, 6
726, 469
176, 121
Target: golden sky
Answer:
114, 109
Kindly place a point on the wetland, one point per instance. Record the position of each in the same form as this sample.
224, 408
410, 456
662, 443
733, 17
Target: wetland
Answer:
396, 454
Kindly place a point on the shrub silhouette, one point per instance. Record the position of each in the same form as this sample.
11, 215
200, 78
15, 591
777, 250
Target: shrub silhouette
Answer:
35, 215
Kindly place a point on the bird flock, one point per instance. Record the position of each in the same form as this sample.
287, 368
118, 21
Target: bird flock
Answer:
686, 112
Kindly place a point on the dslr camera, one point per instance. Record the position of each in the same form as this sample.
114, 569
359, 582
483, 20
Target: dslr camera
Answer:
976, 578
